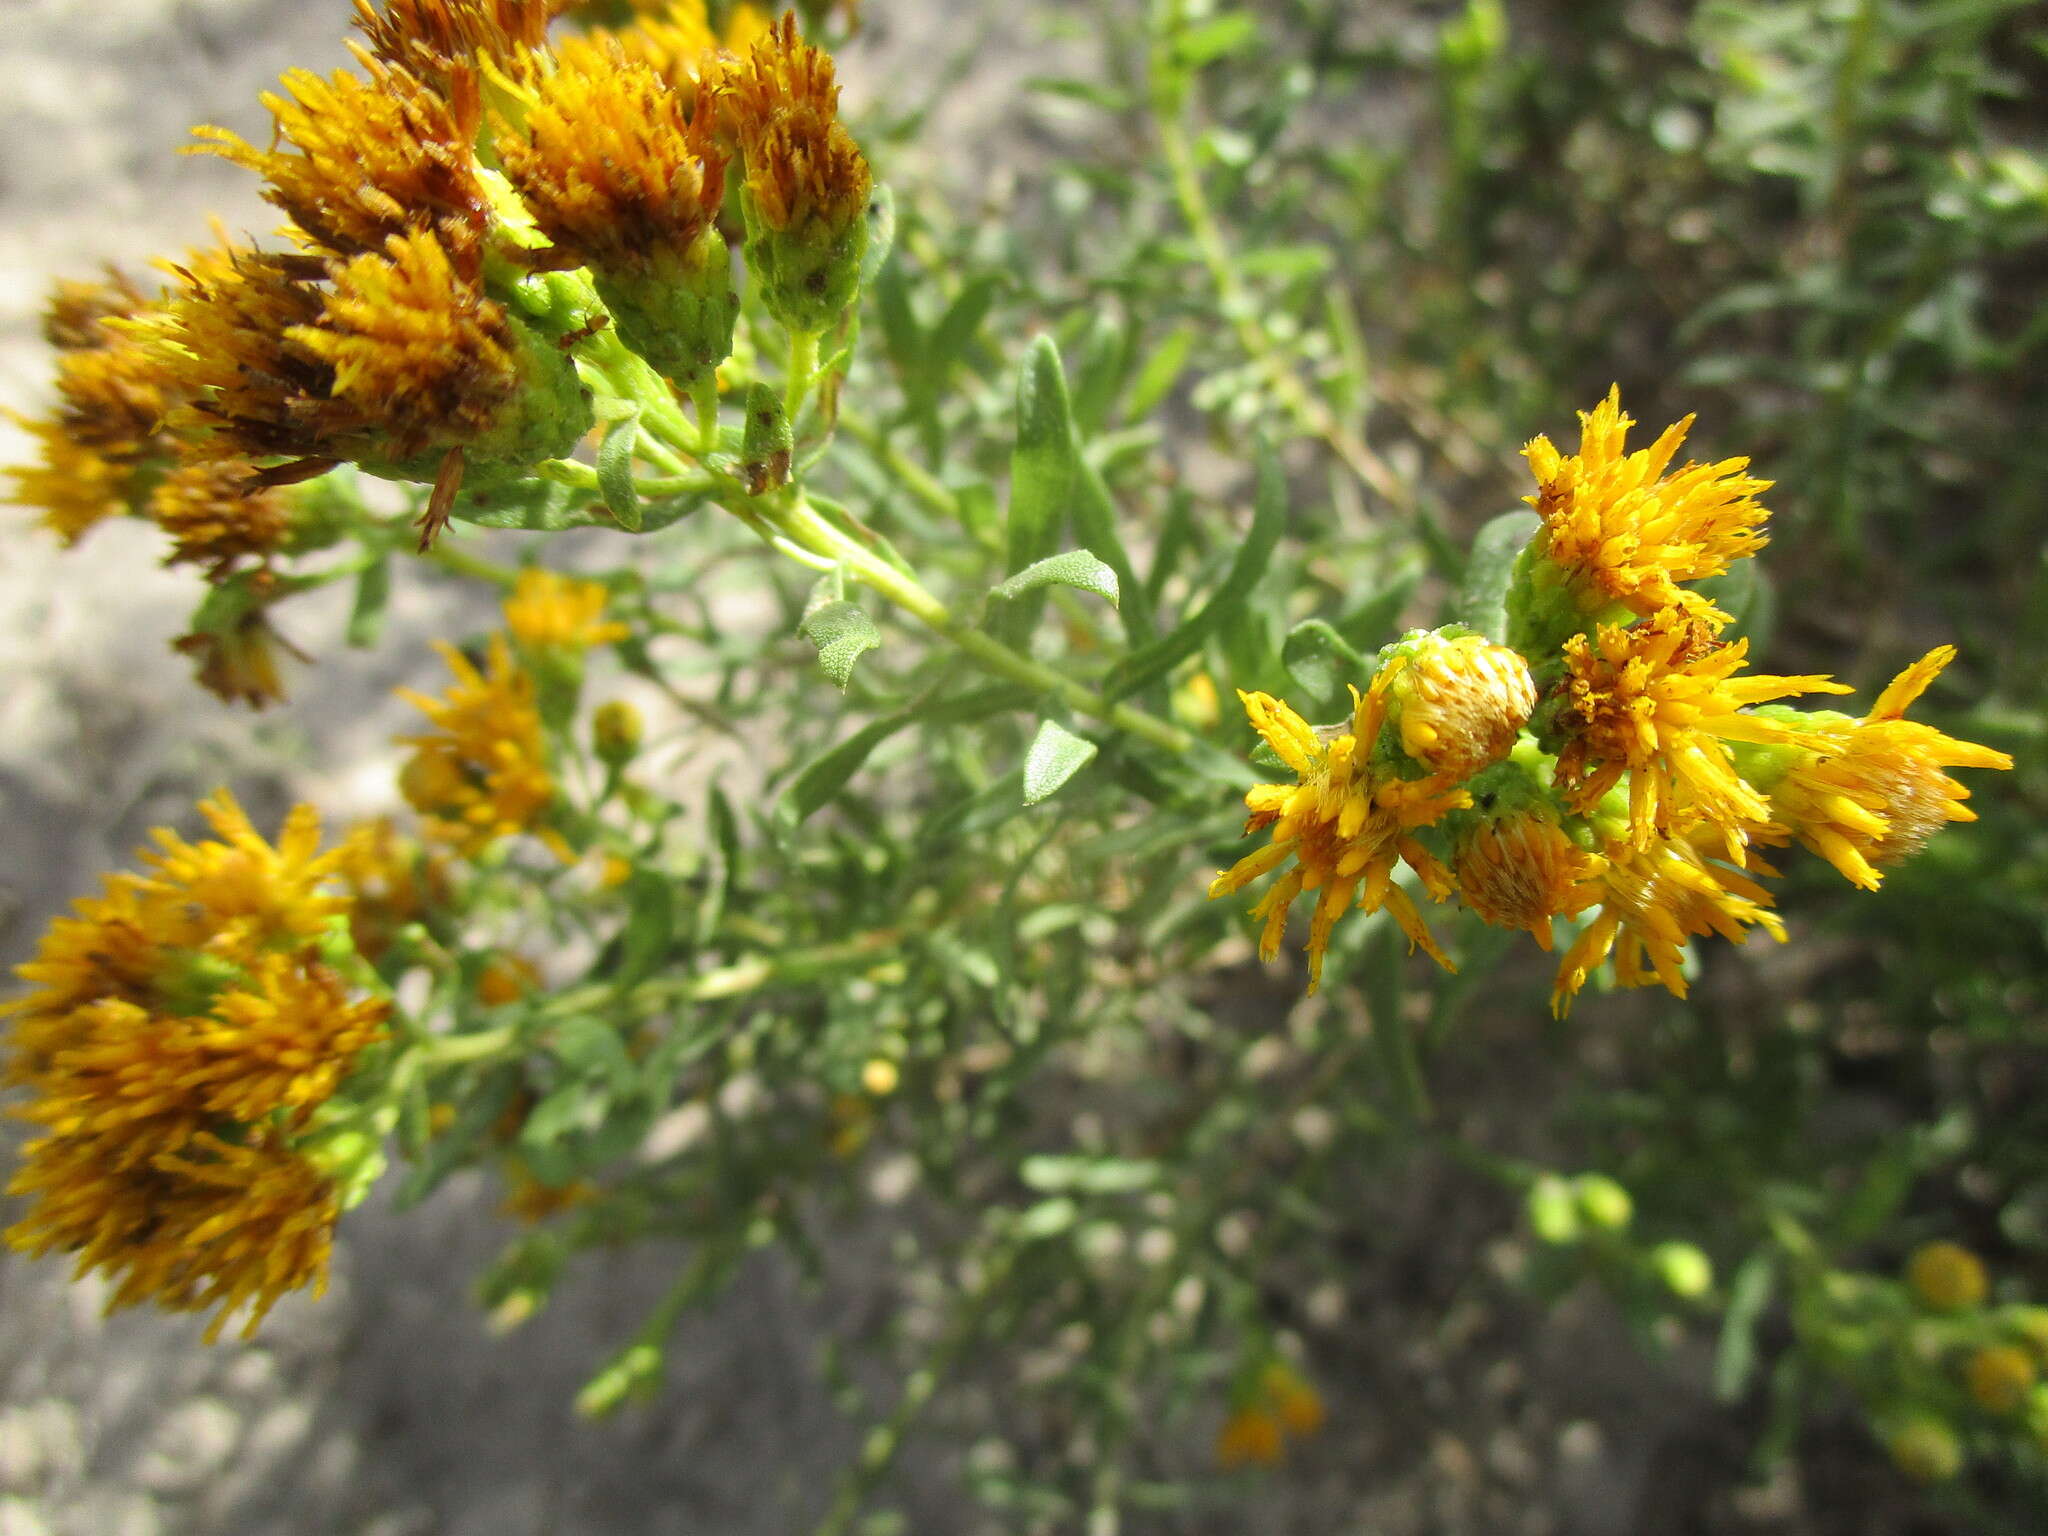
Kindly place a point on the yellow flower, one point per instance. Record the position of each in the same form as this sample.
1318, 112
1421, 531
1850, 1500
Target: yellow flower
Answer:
441, 41
1946, 1277
403, 364
550, 612
1345, 825
532, 1202
2000, 1376
1297, 1403
354, 162
482, 773
181, 1028
1657, 700
217, 514
1650, 902
1458, 701
1250, 1437
1524, 871
506, 978
391, 882
1619, 530
807, 183
213, 1224
96, 449
1870, 792
675, 38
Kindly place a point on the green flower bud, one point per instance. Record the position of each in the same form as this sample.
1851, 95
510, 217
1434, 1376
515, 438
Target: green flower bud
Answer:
1602, 1202
1685, 1271
1553, 1210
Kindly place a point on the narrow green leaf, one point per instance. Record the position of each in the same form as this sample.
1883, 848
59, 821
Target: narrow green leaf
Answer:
590, 1047
530, 506
1483, 598
373, 591
1074, 568
1269, 516
827, 775
842, 632
1095, 524
1161, 372
1056, 755
1099, 377
1748, 1294
615, 470
1214, 39
1041, 471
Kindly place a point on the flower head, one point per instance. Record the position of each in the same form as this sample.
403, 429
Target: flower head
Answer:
97, 451
182, 1028
482, 773
622, 176
551, 612
1522, 870
1657, 701
1458, 701
807, 183
216, 515
1346, 825
1621, 530
355, 161
438, 39
391, 882
1650, 902
1868, 793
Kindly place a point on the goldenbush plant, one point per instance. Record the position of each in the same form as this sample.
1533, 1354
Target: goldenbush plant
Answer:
1034, 516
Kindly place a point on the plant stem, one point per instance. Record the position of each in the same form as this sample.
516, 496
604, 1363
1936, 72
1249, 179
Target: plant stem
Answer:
805, 527
1309, 409
803, 366
705, 397
453, 560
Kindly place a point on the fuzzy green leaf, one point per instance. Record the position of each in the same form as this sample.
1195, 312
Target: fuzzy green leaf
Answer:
842, 632
1321, 660
1056, 755
1074, 568
615, 471
1483, 597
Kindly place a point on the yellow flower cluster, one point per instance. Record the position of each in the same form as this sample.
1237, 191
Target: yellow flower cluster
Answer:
1613, 762
1275, 1405
182, 1031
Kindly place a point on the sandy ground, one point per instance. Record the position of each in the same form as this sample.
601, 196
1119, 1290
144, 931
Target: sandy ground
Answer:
385, 1410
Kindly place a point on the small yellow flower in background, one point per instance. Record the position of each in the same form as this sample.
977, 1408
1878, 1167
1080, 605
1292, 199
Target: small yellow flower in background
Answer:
1620, 530
1346, 825
2000, 1376
482, 773
355, 161
1658, 701
548, 612
505, 979
391, 882
181, 1030
1650, 902
1276, 1405
532, 1202
1871, 792
1946, 1277
880, 1076
1250, 1436
1458, 702
95, 450
805, 194
216, 516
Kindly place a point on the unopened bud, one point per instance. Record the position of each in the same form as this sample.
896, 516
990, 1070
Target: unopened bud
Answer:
1458, 701
616, 728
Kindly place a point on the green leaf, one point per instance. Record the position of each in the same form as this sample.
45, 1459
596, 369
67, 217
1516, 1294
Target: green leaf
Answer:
1048, 1218
1074, 568
827, 775
373, 591
650, 924
1215, 39
1748, 1294
531, 506
1095, 520
1056, 755
840, 630
881, 234
590, 1047
1041, 472
1321, 660
1269, 516
1051, 1173
1161, 372
615, 470
1483, 598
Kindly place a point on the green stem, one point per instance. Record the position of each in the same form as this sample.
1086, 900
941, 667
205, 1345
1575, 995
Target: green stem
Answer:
452, 559
805, 527
1310, 410
803, 367
912, 476
705, 397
